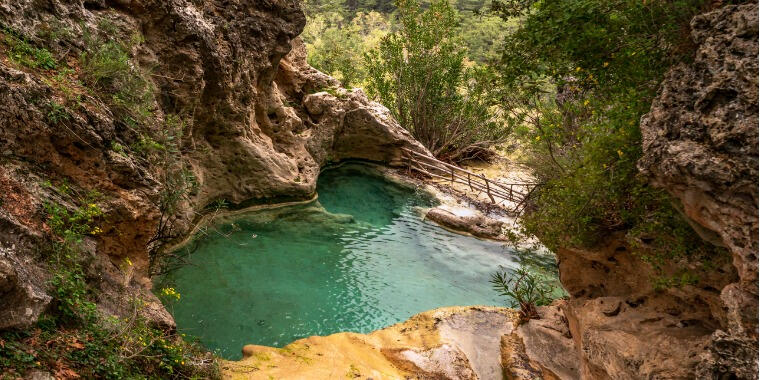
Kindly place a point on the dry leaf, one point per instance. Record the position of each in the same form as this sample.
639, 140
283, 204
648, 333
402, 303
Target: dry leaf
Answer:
66, 373
76, 344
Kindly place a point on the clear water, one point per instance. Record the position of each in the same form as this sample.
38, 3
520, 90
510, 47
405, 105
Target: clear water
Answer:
358, 259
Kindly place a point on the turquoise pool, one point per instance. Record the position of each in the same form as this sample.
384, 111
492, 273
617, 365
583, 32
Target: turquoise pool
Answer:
358, 259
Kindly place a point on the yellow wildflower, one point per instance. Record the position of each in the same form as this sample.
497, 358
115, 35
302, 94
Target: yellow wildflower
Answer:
620, 153
170, 292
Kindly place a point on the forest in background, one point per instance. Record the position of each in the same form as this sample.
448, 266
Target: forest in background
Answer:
339, 32
565, 82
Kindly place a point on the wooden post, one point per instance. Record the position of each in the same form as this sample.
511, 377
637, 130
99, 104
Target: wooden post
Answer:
452, 176
488, 189
469, 183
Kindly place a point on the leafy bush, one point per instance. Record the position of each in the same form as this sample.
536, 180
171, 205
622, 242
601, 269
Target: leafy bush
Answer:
112, 348
526, 289
575, 99
481, 32
419, 72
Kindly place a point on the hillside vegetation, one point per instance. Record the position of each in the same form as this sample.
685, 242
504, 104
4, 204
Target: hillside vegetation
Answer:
564, 81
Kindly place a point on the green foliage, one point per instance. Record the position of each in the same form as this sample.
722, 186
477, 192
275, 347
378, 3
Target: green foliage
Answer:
680, 279
177, 181
57, 113
339, 33
71, 226
22, 52
112, 348
525, 288
575, 99
420, 74
68, 283
220, 204
108, 68
337, 45
71, 295
54, 32
482, 35
74, 340
116, 147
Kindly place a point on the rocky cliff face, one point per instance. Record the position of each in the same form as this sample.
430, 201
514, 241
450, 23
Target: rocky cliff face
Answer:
700, 144
257, 127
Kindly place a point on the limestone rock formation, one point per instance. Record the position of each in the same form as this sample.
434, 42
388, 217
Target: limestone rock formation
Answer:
259, 123
700, 144
22, 297
548, 344
457, 343
623, 327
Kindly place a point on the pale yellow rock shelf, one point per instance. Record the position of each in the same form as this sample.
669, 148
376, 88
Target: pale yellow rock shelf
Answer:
452, 342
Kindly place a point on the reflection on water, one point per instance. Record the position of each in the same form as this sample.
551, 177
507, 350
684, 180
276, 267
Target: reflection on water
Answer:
358, 259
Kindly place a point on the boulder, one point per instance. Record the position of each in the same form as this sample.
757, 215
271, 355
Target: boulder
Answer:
467, 220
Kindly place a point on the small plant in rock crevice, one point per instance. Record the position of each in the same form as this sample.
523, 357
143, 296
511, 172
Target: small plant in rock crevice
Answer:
57, 113
107, 66
526, 289
22, 52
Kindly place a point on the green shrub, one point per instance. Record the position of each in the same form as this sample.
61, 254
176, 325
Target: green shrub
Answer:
525, 288
116, 147
70, 292
112, 348
57, 113
337, 45
419, 73
577, 76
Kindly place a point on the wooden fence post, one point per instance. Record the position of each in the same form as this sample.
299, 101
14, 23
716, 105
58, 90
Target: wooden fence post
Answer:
488, 188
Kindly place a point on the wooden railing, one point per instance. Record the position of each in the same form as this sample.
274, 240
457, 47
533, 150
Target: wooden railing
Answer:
516, 194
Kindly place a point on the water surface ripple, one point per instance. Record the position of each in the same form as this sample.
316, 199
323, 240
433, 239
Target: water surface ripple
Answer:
359, 259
